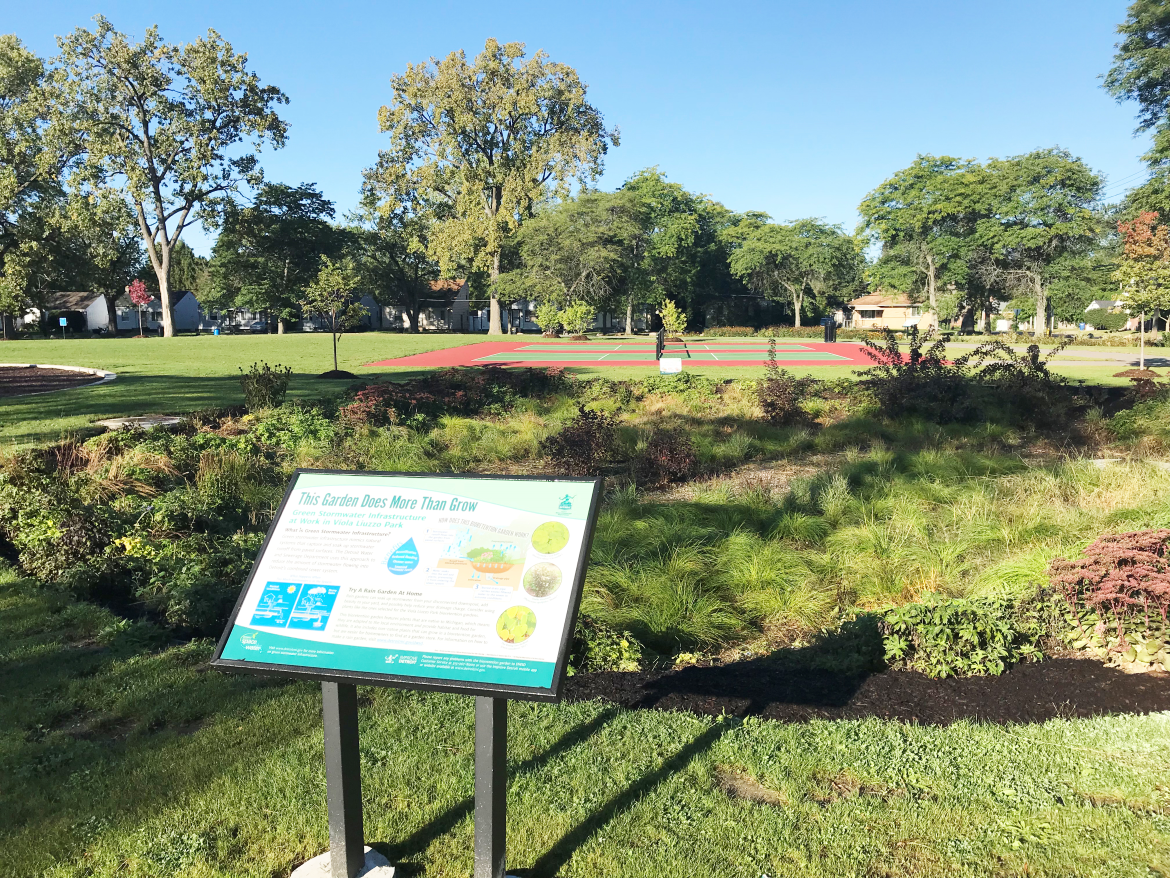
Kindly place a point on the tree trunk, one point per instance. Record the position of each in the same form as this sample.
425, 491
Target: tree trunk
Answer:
494, 327
333, 333
1142, 341
164, 292
412, 318
630, 316
797, 301
932, 285
280, 326
7, 326
1041, 308
140, 320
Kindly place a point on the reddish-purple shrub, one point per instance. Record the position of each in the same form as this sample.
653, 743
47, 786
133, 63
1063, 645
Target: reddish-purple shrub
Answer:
669, 456
1124, 580
585, 444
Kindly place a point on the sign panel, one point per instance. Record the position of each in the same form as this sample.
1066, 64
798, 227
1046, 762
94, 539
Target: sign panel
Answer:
63, 321
668, 365
458, 583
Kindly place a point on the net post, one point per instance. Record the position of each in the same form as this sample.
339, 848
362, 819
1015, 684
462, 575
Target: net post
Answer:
343, 779
491, 783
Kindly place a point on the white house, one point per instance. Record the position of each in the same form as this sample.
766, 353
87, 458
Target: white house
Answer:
96, 308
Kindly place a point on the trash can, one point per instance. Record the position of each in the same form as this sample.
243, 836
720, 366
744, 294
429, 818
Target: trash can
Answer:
830, 325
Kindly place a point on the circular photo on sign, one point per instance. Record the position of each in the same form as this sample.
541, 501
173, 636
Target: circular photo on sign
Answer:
542, 580
550, 538
516, 624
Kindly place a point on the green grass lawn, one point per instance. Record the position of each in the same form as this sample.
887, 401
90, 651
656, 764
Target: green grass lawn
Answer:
123, 756
162, 376
157, 375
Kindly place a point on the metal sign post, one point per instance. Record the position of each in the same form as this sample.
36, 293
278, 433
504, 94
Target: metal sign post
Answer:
491, 784
343, 779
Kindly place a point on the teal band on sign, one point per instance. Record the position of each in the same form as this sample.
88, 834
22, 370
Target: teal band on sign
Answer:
252, 645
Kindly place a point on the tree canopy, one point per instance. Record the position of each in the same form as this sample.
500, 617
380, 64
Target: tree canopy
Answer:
1041, 212
923, 215
490, 139
805, 258
175, 129
269, 251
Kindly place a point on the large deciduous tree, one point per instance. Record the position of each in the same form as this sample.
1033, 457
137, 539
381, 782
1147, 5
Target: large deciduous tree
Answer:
269, 251
36, 152
1041, 213
1143, 272
176, 129
1141, 73
807, 257
490, 140
922, 216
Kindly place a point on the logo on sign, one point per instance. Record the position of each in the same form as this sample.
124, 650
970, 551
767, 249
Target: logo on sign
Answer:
566, 504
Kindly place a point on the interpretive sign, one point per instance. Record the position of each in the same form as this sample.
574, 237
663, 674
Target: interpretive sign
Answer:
457, 583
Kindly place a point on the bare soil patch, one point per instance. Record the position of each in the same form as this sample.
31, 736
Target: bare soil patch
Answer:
20, 380
1028, 693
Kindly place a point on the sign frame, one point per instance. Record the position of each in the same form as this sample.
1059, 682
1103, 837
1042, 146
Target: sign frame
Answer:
329, 675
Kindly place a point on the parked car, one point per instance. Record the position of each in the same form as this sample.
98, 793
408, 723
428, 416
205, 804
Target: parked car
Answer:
258, 326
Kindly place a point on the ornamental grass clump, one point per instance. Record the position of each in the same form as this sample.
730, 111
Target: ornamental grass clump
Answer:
1118, 597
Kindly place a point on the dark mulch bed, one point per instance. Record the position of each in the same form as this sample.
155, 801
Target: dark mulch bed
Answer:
19, 380
337, 375
1028, 693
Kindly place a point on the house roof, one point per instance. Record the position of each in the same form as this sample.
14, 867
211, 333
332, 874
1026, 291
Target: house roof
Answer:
123, 301
1102, 303
70, 301
881, 300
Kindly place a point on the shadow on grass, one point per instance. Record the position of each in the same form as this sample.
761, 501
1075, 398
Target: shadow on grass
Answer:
419, 840
556, 857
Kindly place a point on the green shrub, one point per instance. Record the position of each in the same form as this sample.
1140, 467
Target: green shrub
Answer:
292, 426
729, 332
597, 647
1107, 321
943, 637
264, 386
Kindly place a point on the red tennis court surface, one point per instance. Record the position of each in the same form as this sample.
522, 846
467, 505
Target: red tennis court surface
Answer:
633, 352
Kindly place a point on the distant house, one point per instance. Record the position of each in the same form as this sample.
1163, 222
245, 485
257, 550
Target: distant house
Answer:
95, 307
188, 316
885, 311
447, 308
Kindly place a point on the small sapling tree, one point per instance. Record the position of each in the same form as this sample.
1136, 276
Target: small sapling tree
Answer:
331, 295
578, 318
548, 318
674, 319
139, 297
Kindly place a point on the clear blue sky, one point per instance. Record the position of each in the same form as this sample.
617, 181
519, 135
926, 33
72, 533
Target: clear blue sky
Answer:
794, 108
